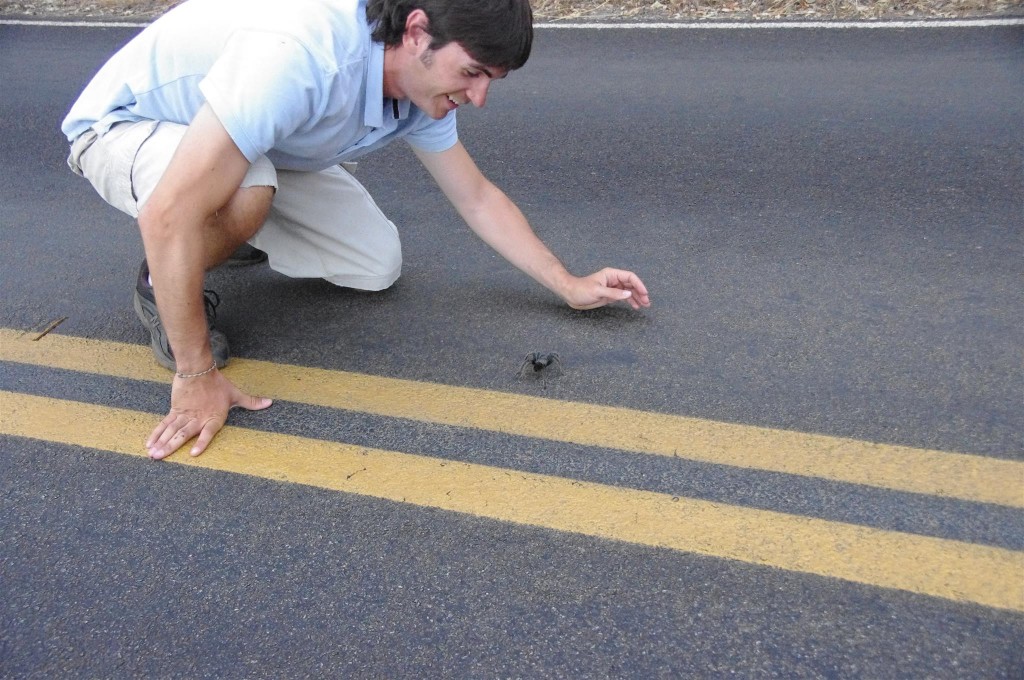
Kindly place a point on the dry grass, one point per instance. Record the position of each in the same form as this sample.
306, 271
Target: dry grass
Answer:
106, 9
549, 10
770, 9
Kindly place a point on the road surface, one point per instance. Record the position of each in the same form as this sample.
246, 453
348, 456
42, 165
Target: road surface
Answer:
804, 460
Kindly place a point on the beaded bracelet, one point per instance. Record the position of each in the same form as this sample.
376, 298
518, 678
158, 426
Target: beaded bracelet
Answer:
196, 375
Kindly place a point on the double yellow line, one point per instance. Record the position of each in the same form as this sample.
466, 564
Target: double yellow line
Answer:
953, 570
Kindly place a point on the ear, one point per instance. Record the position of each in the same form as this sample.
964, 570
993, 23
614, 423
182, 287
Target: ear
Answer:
417, 30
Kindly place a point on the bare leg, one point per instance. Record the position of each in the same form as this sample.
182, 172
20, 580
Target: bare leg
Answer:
236, 222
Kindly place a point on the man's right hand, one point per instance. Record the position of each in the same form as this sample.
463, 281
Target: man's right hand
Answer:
199, 406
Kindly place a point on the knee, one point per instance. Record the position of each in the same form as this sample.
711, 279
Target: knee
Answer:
389, 270
376, 270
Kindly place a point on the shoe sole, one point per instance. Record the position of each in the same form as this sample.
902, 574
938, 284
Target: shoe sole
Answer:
154, 341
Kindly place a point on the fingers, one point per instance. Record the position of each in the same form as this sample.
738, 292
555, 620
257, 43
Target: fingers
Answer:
178, 432
171, 434
158, 430
628, 281
630, 297
209, 429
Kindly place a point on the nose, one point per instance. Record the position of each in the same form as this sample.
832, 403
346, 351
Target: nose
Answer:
477, 92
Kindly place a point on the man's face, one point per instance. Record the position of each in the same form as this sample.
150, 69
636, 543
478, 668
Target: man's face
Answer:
441, 80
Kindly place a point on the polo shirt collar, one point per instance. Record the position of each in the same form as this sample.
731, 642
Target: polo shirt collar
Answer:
377, 107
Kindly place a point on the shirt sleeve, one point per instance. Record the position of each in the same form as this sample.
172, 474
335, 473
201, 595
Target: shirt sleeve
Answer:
434, 135
263, 87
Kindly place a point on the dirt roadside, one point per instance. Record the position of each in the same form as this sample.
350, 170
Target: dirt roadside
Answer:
582, 10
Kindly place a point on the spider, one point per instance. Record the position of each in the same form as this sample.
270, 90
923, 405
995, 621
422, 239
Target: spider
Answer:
538, 365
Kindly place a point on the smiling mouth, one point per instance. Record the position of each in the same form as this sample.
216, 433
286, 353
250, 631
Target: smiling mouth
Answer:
455, 101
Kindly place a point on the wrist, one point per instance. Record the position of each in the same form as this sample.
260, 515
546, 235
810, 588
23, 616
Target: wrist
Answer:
196, 374
190, 358
560, 281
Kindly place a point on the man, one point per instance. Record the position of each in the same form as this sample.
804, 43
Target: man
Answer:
226, 121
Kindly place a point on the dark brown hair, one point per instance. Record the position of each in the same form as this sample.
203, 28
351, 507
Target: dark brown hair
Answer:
496, 33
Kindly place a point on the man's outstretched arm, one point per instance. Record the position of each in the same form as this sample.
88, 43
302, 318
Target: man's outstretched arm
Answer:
497, 220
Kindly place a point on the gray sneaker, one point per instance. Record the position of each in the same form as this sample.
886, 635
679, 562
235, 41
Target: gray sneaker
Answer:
246, 255
145, 308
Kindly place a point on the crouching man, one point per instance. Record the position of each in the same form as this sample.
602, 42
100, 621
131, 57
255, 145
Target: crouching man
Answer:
226, 121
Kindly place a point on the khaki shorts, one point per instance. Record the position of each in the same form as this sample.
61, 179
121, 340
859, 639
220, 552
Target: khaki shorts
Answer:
321, 224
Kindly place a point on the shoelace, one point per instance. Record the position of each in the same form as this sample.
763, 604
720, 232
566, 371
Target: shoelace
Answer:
211, 301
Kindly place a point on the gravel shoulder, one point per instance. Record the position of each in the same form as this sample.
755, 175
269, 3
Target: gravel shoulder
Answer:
598, 10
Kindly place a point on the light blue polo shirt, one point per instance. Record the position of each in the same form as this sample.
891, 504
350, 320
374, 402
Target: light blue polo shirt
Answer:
300, 82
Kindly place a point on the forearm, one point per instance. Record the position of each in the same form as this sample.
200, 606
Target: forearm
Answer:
496, 220
175, 252
502, 226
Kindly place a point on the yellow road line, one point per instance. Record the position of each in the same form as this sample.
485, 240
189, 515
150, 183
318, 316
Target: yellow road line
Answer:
901, 468
964, 572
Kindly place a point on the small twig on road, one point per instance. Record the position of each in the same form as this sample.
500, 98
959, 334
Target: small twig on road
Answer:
53, 324
348, 477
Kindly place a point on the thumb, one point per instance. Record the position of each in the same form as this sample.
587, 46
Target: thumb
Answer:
617, 293
250, 403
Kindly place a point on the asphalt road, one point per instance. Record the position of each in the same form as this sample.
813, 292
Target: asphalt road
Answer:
830, 224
